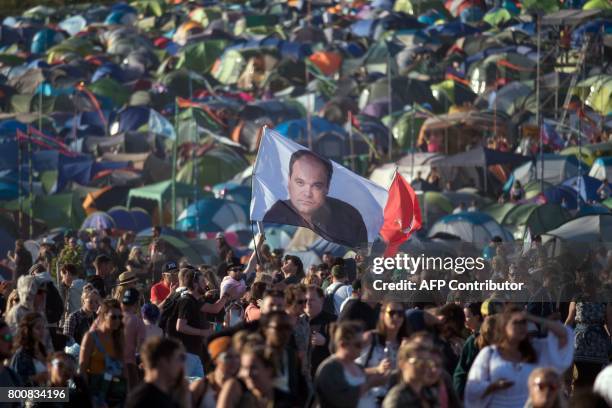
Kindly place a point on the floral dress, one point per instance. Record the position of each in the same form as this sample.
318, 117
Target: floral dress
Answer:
592, 340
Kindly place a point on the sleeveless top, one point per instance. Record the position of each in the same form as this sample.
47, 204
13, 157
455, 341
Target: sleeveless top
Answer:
96, 362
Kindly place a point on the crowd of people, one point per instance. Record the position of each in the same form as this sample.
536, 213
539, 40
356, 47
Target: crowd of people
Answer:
123, 325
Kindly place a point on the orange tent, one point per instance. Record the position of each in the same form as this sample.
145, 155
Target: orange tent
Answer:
328, 62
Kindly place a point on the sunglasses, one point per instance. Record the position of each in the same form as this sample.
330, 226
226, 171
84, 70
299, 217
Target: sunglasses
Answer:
422, 362
397, 313
543, 385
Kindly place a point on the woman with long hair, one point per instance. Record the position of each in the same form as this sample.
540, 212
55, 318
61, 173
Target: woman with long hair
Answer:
29, 360
101, 360
380, 352
498, 377
340, 381
254, 386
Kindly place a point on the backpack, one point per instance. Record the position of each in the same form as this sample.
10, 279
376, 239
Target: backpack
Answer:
328, 302
169, 315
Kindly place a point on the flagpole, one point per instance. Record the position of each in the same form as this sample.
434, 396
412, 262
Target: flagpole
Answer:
174, 148
31, 212
195, 175
19, 186
390, 106
351, 144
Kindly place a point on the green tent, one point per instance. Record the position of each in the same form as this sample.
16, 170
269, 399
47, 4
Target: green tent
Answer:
406, 129
109, 88
189, 120
201, 56
218, 165
498, 211
518, 215
177, 82
161, 193
56, 210
546, 217
589, 153
596, 92
544, 6
597, 4
230, 67
497, 17
533, 188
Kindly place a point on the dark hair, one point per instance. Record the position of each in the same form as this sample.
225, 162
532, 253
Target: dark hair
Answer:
70, 269
316, 289
586, 398
381, 329
3, 324
525, 346
25, 340
474, 308
329, 169
157, 348
258, 290
191, 278
157, 228
454, 317
271, 316
292, 291
298, 263
117, 336
101, 259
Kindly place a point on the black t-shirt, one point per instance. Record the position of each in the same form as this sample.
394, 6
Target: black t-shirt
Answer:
149, 396
189, 309
9, 378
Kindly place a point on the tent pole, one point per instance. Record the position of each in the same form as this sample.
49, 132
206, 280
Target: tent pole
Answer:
412, 142
174, 148
538, 116
351, 144
195, 175
389, 92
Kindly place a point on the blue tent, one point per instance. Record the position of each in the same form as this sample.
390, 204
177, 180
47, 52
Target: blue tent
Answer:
98, 221
453, 29
123, 218
296, 130
130, 118
9, 127
8, 190
592, 28
8, 153
288, 49
585, 186
141, 218
558, 194
77, 169
473, 227
211, 215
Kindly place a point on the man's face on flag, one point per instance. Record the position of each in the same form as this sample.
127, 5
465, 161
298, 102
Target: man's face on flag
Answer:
308, 185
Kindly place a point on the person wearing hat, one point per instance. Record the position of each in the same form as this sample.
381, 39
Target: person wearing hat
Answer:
150, 317
226, 361
169, 280
126, 281
134, 333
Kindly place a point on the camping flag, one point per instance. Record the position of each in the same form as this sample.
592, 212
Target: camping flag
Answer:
294, 186
402, 215
160, 125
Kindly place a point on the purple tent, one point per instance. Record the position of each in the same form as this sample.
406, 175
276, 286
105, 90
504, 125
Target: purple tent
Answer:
98, 221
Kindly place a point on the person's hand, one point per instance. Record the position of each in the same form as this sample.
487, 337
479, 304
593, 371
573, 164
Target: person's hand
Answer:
317, 339
498, 385
384, 367
259, 303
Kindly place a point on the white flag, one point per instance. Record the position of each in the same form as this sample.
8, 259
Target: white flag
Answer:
160, 125
292, 185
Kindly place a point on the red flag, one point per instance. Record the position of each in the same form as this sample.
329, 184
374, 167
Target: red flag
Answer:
402, 215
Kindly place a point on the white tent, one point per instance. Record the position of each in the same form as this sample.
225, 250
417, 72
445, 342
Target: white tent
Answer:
556, 169
474, 227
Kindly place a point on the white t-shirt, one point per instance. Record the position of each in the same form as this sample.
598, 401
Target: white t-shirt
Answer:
341, 294
603, 384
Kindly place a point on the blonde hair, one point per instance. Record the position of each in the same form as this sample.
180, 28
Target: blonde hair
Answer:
11, 300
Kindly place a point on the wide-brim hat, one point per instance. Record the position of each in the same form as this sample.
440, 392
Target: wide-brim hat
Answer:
126, 278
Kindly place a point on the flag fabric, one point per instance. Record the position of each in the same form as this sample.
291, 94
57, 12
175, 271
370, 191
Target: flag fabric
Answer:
550, 137
160, 125
294, 186
402, 215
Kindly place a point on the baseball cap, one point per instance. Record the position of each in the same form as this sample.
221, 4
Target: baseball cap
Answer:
130, 297
170, 266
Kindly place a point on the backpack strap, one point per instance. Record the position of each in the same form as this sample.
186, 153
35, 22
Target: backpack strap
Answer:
373, 344
98, 343
336, 289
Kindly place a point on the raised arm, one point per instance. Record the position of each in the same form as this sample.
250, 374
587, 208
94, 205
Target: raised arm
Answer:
553, 326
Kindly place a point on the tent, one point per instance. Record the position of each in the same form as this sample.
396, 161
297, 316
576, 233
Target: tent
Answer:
590, 152
98, 221
585, 186
535, 218
589, 229
602, 169
557, 168
211, 215
105, 198
56, 210
161, 194
473, 227
215, 166
123, 218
